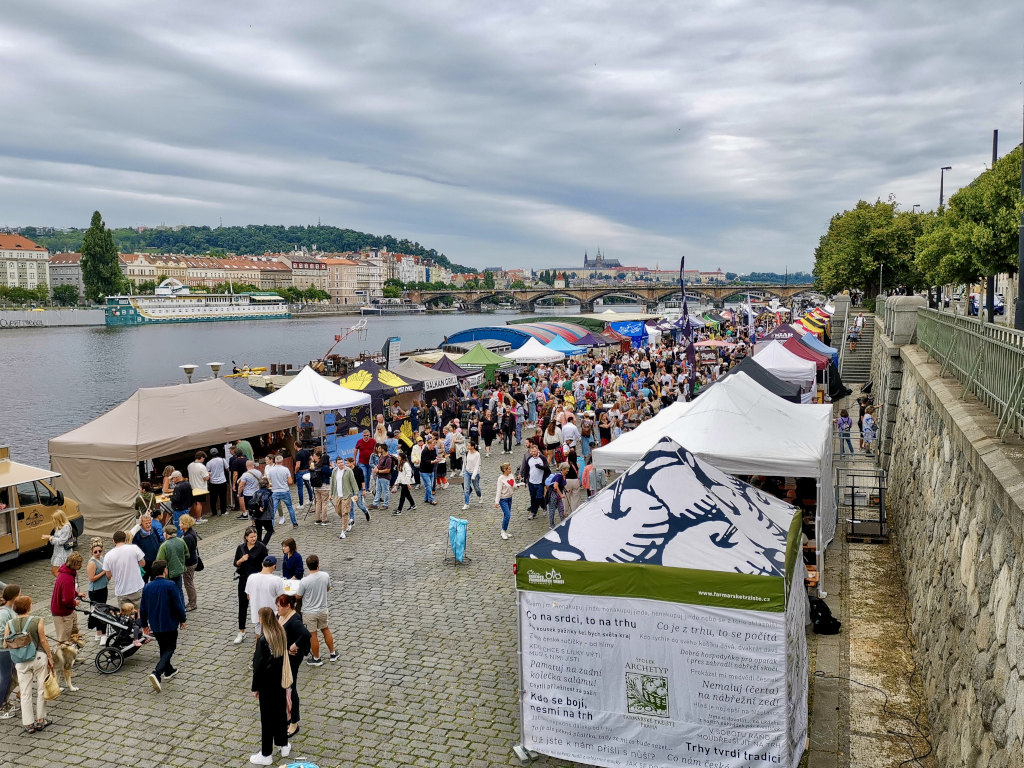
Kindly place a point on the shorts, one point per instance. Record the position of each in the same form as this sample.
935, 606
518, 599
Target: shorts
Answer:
315, 621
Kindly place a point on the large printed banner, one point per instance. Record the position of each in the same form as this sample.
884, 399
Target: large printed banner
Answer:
632, 682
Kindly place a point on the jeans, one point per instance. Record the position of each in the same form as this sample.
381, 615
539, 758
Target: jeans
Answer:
506, 512
536, 497
519, 432
469, 484
383, 492
358, 503
427, 478
176, 516
6, 676
555, 505
302, 480
367, 473
168, 642
286, 497
845, 445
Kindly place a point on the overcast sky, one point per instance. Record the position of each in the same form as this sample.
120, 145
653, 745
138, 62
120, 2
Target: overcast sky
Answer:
505, 132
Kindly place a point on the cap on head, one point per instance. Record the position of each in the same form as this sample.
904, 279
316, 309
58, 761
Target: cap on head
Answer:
269, 561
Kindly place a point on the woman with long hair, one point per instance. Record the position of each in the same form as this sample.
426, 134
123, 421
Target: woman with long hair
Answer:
187, 523
98, 581
404, 480
552, 439
61, 539
248, 560
298, 648
271, 684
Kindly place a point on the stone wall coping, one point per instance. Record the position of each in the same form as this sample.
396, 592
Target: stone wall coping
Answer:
973, 426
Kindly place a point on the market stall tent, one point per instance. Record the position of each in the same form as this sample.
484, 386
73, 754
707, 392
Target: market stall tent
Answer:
561, 345
625, 450
309, 392
482, 358
535, 352
743, 429
749, 366
433, 378
779, 361
99, 460
666, 612
377, 382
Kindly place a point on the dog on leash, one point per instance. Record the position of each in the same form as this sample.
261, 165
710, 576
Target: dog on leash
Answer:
65, 655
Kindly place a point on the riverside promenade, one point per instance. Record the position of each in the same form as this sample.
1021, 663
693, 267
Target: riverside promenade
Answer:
428, 670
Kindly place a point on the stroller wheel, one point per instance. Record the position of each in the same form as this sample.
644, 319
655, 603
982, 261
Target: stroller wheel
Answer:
109, 660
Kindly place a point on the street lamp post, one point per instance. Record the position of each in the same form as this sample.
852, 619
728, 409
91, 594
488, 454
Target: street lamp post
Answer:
189, 369
942, 182
215, 367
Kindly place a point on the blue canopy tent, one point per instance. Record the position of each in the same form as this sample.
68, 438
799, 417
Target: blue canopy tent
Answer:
561, 345
818, 345
634, 330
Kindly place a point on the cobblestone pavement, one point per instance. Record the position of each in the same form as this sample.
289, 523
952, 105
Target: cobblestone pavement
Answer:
427, 677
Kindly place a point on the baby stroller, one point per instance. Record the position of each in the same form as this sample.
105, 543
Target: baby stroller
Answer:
118, 636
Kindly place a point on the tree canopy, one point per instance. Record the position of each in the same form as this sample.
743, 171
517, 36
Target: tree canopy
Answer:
251, 239
861, 239
101, 273
977, 234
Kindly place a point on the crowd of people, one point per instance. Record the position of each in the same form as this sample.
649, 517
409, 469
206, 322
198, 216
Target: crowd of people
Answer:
546, 419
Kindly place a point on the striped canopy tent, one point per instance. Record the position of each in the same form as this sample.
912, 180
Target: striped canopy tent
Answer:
811, 325
517, 334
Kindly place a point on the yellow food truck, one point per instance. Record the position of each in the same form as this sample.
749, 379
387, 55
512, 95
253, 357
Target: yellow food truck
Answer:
28, 502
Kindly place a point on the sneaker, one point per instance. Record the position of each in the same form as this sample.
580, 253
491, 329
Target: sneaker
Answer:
295, 525
242, 517
201, 520
367, 516
7, 712
465, 506
396, 513
279, 521
170, 674
313, 661
349, 528
342, 536
480, 500
504, 534
412, 507
334, 657
286, 750
373, 506
155, 682
239, 638
261, 759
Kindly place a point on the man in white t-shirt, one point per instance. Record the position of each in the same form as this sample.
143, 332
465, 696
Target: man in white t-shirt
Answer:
217, 466
280, 480
198, 475
262, 589
122, 565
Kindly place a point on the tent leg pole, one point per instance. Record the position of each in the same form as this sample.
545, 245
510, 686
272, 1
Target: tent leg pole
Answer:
819, 552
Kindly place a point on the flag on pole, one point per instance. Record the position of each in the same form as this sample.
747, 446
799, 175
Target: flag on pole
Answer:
691, 351
750, 322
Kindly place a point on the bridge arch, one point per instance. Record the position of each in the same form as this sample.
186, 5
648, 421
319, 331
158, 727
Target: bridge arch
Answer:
567, 294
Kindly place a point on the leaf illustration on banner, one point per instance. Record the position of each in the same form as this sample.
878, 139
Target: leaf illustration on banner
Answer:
359, 380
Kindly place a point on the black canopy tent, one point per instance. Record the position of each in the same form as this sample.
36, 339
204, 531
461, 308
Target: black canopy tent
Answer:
766, 379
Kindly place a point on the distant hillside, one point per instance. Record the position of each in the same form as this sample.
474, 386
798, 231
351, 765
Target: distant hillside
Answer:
795, 278
251, 239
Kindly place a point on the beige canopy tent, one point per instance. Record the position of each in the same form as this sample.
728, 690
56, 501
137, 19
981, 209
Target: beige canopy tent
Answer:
99, 461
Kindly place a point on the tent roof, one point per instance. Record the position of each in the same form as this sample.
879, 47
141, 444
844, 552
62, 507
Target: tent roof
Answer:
480, 356
561, 345
432, 378
783, 332
778, 360
308, 391
590, 340
801, 350
12, 473
446, 365
377, 382
535, 352
749, 366
742, 428
158, 421
674, 509
812, 341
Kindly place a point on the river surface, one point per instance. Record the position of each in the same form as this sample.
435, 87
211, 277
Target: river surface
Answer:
56, 379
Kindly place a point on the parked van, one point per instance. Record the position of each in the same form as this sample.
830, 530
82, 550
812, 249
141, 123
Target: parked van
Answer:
28, 501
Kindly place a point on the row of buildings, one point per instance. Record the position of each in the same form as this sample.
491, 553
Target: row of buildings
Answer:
349, 278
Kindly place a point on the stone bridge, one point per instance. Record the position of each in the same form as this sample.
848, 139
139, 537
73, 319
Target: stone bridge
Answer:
646, 294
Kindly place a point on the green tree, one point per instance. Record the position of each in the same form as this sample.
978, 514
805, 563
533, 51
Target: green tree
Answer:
66, 295
489, 280
517, 285
864, 237
101, 272
146, 287
977, 234
392, 292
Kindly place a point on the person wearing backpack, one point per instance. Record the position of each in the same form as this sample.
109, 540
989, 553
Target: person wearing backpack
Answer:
262, 510
319, 479
25, 640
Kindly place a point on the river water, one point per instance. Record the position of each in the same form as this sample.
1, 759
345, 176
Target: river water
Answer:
56, 379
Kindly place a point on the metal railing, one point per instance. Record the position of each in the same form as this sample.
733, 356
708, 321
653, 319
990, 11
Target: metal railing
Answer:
987, 359
840, 321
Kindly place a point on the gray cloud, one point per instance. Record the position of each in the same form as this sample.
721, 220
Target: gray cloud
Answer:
503, 133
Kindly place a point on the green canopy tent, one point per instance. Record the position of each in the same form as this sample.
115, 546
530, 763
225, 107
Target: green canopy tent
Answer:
665, 619
479, 357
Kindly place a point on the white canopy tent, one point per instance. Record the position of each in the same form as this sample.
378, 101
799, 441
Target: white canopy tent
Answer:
535, 352
743, 429
309, 392
778, 360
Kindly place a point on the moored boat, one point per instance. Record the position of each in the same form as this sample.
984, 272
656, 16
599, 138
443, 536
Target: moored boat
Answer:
173, 302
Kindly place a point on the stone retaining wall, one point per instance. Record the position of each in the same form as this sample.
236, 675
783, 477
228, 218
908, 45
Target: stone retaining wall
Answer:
954, 499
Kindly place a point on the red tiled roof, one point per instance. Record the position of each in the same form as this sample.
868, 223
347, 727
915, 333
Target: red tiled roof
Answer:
18, 243
62, 259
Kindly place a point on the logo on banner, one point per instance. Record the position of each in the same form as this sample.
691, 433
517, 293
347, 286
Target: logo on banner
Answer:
548, 577
646, 694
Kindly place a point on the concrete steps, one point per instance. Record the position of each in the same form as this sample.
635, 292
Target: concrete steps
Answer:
856, 365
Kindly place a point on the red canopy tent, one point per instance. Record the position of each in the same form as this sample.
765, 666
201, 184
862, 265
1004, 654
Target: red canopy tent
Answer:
624, 342
802, 350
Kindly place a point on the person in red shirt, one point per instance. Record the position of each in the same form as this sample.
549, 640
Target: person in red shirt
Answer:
65, 598
365, 447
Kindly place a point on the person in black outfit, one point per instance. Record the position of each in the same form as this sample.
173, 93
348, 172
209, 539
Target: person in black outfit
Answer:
248, 560
508, 429
298, 646
236, 468
263, 517
271, 678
